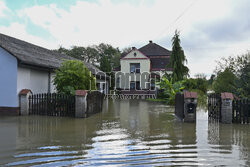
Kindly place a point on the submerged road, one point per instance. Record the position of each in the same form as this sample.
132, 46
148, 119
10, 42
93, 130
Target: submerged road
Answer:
127, 132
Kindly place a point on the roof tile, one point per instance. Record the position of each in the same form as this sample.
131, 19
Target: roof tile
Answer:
226, 95
190, 95
153, 49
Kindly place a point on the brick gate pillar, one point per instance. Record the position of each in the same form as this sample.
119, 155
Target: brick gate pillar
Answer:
80, 103
24, 101
226, 107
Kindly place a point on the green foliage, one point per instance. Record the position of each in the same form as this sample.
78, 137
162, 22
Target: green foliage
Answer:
238, 68
199, 83
234, 64
211, 80
157, 100
170, 89
202, 97
115, 61
178, 59
73, 75
110, 57
126, 50
104, 55
105, 64
244, 81
225, 82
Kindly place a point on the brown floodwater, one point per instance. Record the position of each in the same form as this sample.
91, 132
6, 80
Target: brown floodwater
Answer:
126, 133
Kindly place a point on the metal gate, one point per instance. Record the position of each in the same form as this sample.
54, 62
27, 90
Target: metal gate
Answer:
214, 106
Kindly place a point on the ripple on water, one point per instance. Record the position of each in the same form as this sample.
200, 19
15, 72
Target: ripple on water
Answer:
142, 139
108, 150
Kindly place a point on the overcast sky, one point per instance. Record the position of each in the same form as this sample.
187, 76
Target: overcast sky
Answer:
210, 29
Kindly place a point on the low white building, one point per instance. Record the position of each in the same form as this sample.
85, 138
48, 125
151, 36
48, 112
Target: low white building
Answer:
27, 66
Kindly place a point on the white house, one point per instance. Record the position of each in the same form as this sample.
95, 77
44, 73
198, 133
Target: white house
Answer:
139, 66
27, 66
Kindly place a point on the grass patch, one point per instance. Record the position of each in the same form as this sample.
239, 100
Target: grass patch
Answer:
158, 100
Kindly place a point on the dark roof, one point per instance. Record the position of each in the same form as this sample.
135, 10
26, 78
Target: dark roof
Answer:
31, 54
153, 49
159, 62
123, 55
34, 55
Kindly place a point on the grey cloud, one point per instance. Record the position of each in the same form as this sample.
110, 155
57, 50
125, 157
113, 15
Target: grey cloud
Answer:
233, 28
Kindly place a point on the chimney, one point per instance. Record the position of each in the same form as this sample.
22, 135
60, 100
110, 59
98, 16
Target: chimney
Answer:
150, 41
133, 48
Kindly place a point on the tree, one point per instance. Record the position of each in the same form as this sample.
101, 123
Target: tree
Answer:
126, 50
77, 52
91, 55
115, 61
245, 81
95, 55
196, 84
240, 67
178, 59
110, 57
211, 80
225, 82
105, 64
200, 76
62, 50
234, 64
73, 75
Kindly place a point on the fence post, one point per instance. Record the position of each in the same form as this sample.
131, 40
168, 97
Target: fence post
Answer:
80, 103
24, 101
226, 107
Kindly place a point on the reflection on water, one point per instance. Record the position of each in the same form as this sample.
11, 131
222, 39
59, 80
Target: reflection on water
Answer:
128, 132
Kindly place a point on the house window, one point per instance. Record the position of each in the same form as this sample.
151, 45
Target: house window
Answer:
137, 85
135, 67
132, 85
118, 82
152, 85
98, 86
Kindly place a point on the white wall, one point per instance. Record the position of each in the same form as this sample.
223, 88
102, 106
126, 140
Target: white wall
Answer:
52, 86
130, 58
35, 80
105, 83
125, 68
8, 79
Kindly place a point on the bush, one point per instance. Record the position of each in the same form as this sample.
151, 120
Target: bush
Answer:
233, 75
170, 89
73, 75
196, 83
225, 82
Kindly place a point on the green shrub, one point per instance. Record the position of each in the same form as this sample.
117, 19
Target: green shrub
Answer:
73, 75
225, 82
170, 89
196, 83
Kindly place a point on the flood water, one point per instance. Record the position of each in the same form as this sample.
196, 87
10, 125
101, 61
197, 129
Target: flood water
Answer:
126, 133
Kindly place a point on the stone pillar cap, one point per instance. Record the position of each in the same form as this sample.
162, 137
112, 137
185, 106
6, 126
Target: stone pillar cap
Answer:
226, 95
190, 95
25, 92
81, 92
